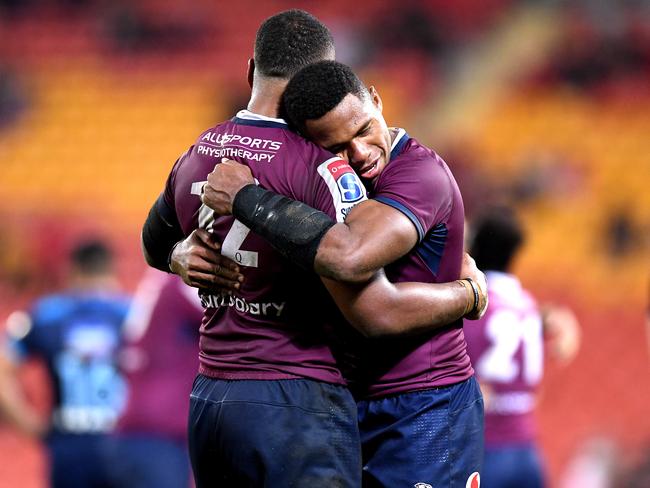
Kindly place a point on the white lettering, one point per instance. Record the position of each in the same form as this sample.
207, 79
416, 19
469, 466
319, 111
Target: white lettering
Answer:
279, 307
266, 309
512, 403
242, 147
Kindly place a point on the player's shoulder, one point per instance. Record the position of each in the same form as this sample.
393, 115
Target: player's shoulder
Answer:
408, 152
51, 308
424, 155
255, 132
507, 289
305, 152
418, 165
213, 134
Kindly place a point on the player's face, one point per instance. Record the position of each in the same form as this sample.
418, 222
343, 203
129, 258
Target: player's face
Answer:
356, 131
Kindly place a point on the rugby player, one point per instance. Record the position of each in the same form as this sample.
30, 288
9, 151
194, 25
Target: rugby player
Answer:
269, 407
78, 335
420, 407
506, 347
160, 360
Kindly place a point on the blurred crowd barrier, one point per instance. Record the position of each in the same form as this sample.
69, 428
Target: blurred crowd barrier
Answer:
538, 104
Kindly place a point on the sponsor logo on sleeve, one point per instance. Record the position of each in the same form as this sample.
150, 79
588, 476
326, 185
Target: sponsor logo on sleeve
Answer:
349, 185
343, 184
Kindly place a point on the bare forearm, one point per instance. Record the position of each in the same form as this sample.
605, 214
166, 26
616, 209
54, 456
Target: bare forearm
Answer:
381, 308
337, 257
372, 236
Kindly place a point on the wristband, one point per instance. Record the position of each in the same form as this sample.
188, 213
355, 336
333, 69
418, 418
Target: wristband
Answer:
471, 298
476, 294
169, 257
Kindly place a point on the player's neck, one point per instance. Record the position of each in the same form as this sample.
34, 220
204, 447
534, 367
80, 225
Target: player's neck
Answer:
94, 283
265, 96
394, 132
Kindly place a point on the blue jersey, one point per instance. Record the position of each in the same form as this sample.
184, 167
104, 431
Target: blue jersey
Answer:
78, 336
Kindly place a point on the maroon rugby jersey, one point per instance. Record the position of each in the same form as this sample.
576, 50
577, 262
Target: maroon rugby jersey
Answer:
507, 350
273, 328
162, 332
418, 183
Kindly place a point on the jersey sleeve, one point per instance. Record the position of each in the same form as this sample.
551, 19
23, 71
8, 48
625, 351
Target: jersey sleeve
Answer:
475, 339
420, 188
336, 188
169, 193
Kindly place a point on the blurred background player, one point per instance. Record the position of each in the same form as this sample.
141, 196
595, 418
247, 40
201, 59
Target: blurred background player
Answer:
506, 347
77, 333
160, 360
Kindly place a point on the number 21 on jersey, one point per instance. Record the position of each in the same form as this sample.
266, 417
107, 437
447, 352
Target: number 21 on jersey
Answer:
508, 332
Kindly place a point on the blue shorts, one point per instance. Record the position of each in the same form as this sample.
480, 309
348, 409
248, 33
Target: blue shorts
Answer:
77, 460
432, 437
288, 433
512, 467
147, 461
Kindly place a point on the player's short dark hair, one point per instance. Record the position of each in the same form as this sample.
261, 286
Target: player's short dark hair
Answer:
318, 88
498, 235
92, 257
290, 40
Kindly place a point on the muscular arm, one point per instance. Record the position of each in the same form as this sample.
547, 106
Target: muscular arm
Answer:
372, 236
352, 253
381, 308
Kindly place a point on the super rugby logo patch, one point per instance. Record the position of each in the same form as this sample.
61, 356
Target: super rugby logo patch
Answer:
343, 185
348, 183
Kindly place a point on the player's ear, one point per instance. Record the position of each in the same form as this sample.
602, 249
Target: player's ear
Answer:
376, 99
250, 72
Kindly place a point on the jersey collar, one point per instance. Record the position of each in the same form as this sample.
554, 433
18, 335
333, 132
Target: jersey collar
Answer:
246, 117
398, 143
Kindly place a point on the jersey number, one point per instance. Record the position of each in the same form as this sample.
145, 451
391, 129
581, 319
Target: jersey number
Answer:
508, 331
231, 245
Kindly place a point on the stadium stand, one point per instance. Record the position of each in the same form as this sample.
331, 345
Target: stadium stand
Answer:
110, 109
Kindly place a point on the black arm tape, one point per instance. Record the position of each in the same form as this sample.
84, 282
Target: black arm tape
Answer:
160, 233
294, 229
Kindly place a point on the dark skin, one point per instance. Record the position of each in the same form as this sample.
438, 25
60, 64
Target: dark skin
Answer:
374, 234
198, 261
372, 304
